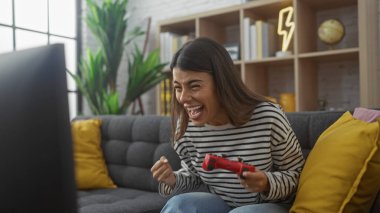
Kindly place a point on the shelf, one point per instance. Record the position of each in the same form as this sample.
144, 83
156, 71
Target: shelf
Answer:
329, 4
223, 28
223, 20
238, 62
272, 61
185, 27
332, 55
270, 79
266, 11
312, 13
313, 71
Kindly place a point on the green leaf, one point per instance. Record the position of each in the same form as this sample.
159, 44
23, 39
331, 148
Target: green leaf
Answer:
98, 70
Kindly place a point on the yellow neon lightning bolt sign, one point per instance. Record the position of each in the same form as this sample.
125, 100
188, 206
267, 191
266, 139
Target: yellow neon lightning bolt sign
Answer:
287, 32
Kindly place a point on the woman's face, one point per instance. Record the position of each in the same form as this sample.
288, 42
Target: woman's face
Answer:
196, 92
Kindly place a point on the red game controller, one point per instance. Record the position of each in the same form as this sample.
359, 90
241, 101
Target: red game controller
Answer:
216, 162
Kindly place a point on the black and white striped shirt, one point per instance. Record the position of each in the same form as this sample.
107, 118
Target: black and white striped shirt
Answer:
266, 141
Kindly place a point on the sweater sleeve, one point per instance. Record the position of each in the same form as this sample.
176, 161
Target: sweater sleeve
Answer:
187, 179
287, 158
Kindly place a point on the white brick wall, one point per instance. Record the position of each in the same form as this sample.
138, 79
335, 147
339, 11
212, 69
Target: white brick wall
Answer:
340, 82
165, 9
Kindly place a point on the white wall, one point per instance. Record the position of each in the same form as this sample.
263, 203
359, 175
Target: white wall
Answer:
166, 9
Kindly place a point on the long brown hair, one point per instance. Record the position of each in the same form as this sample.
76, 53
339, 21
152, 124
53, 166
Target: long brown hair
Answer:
205, 55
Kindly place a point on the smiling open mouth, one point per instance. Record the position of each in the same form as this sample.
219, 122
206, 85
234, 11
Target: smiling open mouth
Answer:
194, 112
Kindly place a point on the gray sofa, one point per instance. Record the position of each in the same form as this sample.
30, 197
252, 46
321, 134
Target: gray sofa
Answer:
132, 144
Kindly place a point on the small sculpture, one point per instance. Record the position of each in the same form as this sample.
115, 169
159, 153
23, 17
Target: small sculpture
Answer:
331, 32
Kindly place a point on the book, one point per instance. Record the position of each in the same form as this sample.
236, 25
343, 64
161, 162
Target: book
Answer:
247, 21
259, 38
253, 42
268, 39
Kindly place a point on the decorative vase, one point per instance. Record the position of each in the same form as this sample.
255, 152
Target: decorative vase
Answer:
287, 101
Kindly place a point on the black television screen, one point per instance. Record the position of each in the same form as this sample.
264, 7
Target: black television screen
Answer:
36, 159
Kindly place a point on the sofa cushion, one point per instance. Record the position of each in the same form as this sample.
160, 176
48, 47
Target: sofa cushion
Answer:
376, 204
345, 155
120, 200
132, 144
90, 168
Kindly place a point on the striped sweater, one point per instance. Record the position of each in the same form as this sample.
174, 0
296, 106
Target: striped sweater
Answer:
266, 141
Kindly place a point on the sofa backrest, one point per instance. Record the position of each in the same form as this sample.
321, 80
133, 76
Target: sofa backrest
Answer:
309, 125
132, 144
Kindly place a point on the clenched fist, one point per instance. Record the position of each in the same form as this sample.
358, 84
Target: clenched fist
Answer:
255, 181
163, 172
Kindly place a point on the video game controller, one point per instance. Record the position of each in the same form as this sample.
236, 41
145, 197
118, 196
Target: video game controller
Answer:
216, 162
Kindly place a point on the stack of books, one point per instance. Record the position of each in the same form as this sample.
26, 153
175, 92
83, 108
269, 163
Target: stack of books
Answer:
260, 39
165, 96
170, 43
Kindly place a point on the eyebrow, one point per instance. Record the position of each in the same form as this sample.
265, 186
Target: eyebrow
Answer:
190, 82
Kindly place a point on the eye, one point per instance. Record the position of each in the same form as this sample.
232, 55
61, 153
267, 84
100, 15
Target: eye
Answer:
177, 88
195, 86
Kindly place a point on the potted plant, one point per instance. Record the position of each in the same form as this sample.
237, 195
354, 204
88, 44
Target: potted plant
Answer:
98, 71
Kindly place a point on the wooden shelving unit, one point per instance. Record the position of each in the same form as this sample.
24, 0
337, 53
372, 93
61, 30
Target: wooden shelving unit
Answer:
303, 66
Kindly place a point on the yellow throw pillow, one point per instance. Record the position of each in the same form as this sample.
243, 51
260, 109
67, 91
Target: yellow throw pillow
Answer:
90, 168
341, 173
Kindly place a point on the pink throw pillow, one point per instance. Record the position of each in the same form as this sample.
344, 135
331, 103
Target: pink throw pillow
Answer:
367, 115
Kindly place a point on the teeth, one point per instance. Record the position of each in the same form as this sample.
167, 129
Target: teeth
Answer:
193, 108
193, 111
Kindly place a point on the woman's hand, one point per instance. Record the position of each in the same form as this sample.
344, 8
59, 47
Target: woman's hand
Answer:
163, 172
255, 181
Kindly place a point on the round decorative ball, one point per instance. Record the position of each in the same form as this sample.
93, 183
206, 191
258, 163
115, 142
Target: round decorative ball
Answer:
331, 31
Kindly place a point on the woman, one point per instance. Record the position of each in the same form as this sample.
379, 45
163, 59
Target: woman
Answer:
214, 112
